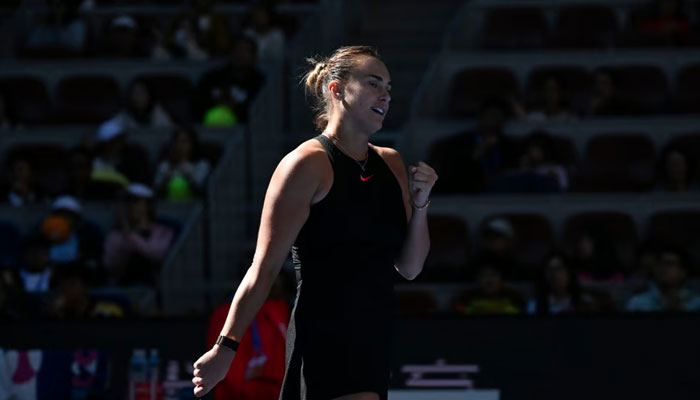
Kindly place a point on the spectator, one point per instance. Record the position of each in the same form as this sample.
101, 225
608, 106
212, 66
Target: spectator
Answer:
142, 110
22, 188
72, 299
182, 175
81, 184
668, 291
62, 34
467, 161
73, 241
230, 90
607, 99
135, 251
676, 172
558, 290
666, 24
498, 245
269, 39
36, 267
491, 296
200, 34
551, 104
596, 258
123, 38
108, 166
14, 301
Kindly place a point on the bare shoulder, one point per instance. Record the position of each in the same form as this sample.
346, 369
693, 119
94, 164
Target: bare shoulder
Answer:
308, 164
391, 157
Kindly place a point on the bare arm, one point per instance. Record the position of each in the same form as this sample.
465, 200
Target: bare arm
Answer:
293, 186
415, 186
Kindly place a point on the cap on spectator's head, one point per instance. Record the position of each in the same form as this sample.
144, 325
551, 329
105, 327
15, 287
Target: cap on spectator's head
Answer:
124, 21
69, 203
109, 130
140, 190
500, 226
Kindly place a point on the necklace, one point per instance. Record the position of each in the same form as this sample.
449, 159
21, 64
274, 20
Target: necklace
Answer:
362, 165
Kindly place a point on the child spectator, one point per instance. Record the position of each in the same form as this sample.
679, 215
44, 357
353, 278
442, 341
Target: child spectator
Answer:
558, 290
135, 251
491, 296
668, 291
182, 175
142, 110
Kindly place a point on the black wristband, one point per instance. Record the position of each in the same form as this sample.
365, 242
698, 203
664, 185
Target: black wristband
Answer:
227, 342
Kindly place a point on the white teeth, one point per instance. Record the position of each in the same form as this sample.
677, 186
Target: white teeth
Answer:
379, 110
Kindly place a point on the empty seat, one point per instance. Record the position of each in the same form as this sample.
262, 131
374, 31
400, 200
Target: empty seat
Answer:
645, 86
449, 248
473, 86
173, 91
585, 26
686, 98
617, 224
86, 100
616, 163
575, 83
27, 97
533, 237
415, 302
514, 28
677, 228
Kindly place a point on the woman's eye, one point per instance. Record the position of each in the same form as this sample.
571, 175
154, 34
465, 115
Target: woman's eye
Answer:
373, 84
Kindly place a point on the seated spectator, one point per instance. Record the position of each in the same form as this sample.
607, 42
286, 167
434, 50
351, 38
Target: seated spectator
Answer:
14, 301
491, 296
123, 38
668, 291
645, 262
558, 290
467, 161
61, 34
80, 183
676, 172
72, 299
269, 39
108, 166
199, 34
227, 92
607, 99
497, 244
538, 172
142, 110
73, 241
22, 190
36, 269
553, 104
596, 258
134, 252
665, 25
182, 175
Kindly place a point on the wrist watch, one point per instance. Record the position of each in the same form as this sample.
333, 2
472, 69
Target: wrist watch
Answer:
227, 342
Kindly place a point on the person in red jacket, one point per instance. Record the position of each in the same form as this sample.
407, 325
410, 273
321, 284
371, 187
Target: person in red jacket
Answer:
257, 370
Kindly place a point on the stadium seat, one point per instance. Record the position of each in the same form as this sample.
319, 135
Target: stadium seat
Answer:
576, 84
687, 89
514, 28
449, 248
86, 100
585, 26
690, 144
27, 97
173, 92
473, 86
645, 86
677, 228
616, 163
618, 224
415, 302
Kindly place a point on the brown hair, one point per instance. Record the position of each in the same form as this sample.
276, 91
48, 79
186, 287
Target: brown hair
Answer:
326, 69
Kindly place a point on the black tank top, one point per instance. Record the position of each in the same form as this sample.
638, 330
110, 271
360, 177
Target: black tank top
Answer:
344, 256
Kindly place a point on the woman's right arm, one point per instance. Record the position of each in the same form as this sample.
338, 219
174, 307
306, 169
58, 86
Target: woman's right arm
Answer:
293, 186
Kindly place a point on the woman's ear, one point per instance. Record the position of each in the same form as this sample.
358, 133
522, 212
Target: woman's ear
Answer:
335, 90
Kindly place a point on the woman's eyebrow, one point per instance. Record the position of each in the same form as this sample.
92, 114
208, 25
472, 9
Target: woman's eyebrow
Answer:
379, 78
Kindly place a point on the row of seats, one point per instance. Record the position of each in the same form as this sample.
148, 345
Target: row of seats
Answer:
645, 87
569, 26
453, 245
89, 99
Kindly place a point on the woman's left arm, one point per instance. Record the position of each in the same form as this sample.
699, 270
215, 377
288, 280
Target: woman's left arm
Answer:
416, 185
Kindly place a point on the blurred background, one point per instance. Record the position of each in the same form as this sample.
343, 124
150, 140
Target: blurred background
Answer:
137, 138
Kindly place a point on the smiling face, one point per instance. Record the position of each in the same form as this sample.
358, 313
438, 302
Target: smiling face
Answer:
363, 100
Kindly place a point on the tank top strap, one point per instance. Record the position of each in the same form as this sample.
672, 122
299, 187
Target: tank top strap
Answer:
328, 147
